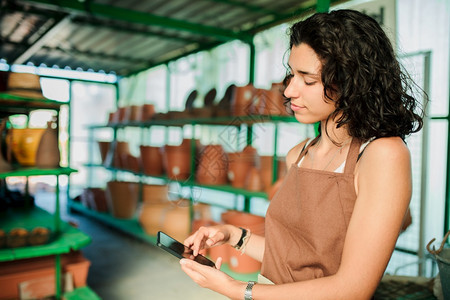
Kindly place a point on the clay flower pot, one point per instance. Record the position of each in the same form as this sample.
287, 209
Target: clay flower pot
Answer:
154, 194
122, 198
177, 160
147, 112
17, 237
151, 160
47, 153
239, 165
243, 105
213, 166
238, 262
103, 147
39, 236
254, 182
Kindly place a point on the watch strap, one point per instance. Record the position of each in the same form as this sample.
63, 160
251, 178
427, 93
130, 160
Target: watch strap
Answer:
241, 240
248, 290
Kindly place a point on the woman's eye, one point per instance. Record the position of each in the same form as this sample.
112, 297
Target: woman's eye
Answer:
310, 83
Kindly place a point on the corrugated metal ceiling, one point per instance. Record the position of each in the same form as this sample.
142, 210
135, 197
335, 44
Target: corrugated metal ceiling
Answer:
126, 37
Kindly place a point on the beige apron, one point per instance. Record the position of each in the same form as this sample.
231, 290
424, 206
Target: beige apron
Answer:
307, 221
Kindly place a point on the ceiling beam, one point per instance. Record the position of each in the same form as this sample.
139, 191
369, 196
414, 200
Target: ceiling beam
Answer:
308, 7
248, 7
137, 17
40, 42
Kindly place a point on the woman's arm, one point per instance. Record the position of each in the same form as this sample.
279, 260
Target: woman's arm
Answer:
383, 184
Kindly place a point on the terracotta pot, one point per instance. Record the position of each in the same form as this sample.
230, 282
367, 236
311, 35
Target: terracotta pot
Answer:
95, 198
47, 153
39, 236
154, 194
76, 264
147, 112
243, 101
213, 166
177, 160
253, 181
24, 144
239, 165
2, 238
135, 113
266, 170
122, 198
5, 166
172, 217
151, 160
238, 262
130, 162
120, 154
17, 237
271, 102
103, 147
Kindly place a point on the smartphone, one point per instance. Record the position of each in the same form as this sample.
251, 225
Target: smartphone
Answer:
179, 250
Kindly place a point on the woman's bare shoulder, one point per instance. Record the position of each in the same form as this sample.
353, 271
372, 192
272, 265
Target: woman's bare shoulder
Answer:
293, 154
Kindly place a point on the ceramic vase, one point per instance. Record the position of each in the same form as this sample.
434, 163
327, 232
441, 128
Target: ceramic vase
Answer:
47, 154
24, 144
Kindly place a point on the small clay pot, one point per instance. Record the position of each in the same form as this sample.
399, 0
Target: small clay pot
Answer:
213, 166
154, 194
2, 238
104, 148
243, 101
253, 181
39, 236
122, 197
147, 112
177, 160
17, 237
151, 160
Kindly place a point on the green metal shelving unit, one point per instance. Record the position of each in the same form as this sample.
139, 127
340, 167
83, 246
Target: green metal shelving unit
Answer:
64, 238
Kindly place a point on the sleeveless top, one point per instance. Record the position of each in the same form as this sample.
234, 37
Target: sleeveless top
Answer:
307, 221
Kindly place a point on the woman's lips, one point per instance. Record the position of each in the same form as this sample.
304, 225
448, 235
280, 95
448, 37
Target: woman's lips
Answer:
296, 107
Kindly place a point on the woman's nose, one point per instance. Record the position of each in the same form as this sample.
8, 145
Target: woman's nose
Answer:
291, 91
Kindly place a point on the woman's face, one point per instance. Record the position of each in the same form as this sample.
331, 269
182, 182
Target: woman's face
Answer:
305, 88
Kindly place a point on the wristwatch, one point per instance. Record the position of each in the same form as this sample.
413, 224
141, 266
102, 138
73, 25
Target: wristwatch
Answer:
241, 240
248, 290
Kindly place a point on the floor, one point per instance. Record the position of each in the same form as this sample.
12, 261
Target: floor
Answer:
123, 268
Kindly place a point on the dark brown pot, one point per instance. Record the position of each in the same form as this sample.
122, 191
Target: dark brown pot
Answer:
147, 112
151, 160
122, 198
238, 167
213, 166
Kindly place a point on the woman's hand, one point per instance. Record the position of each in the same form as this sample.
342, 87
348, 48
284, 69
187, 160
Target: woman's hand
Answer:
207, 237
213, 278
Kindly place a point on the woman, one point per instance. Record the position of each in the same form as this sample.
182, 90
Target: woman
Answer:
333, 225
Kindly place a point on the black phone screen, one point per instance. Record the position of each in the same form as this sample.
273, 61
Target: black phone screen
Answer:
179, 250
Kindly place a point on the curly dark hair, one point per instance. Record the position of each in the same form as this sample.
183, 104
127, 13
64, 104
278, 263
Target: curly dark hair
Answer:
374, 96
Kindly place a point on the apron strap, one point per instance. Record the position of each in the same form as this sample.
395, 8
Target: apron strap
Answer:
352, 156
305, 149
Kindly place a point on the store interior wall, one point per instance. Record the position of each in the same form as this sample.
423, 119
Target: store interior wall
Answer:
422, 26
